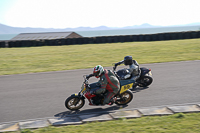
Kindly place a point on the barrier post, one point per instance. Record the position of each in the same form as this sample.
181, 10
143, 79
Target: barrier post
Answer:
147, 38
109, 39
115, 39
121, 38
187, 35
86, 40
128, 38
160, 37
92, 40
134, 38
154, 37
68, 41
10, 44
2, 44
194, 34
198, 34
141, 38
62, 41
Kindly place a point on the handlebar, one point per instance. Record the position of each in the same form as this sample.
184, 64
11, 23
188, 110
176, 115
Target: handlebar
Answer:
114, 66
86, 81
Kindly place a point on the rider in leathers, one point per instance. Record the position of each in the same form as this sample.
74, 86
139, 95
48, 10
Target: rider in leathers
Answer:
108, 81
134, 71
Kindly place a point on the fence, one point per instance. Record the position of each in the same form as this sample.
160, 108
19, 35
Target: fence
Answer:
104, 39
2, 44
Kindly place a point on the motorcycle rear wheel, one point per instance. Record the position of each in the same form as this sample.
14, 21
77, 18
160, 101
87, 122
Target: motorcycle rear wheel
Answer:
126, 97
145, 81
74, 103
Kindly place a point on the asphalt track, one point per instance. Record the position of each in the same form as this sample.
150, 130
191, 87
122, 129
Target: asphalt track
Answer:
39, 95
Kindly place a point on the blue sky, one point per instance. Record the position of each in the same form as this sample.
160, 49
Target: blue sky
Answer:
94, 13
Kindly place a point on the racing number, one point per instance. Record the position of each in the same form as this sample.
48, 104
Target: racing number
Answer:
126, 87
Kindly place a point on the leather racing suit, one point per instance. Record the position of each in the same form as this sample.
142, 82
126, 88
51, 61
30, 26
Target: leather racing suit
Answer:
108, 81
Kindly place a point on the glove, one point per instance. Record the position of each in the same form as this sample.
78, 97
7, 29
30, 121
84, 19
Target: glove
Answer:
116, 64
87, 76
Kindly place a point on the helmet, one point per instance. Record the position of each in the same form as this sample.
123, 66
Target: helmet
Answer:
128, 60
98, 70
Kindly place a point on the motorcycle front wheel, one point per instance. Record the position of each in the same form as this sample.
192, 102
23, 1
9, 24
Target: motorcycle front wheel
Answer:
125, 98
74, 103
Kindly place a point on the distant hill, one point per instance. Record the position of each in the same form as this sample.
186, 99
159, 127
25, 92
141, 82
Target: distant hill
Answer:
4, 29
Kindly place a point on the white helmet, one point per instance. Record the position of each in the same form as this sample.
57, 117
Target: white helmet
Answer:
98, 70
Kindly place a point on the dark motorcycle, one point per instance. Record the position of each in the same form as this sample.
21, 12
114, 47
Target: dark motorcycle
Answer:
144, 80
77, 101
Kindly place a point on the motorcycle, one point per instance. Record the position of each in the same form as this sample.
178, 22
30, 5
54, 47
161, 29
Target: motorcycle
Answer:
77, 101
144, 80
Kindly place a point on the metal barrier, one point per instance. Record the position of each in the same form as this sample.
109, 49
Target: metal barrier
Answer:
2, 44
103, 39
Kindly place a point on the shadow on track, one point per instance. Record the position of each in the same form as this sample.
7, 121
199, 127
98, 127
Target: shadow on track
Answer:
138, 89
90, 111
98, 110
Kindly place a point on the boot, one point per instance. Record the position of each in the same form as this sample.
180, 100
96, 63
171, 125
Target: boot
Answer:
112, 100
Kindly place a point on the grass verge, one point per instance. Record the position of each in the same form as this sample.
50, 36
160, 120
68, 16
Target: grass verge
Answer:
56, 58
177, 123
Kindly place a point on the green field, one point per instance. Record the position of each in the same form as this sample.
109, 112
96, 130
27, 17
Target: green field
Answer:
56, 58
177, 123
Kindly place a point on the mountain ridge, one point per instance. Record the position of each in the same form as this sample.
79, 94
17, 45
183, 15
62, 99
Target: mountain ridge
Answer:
5, 29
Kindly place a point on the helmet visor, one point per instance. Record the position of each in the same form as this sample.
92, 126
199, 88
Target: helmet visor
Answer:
128, 62
96, 73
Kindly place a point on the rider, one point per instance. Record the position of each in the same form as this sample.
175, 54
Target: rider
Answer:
134, 71
108, 81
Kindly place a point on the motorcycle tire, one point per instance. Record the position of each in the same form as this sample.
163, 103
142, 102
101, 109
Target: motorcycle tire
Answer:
74, 103
126, 97
145, 81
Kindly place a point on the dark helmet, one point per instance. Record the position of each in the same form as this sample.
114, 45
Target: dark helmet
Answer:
128, 60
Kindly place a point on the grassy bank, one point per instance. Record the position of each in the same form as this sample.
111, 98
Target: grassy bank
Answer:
55, 58
177, 123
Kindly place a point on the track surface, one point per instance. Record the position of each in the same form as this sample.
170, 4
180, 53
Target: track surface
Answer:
30, 96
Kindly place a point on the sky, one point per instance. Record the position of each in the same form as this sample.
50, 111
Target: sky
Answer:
94, 13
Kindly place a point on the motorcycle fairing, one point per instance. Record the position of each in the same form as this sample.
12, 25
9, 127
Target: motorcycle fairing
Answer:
125, 85
88, 95
122, 72
77, 95
144, 71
